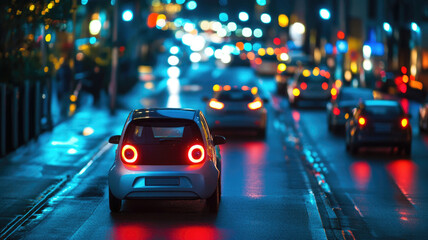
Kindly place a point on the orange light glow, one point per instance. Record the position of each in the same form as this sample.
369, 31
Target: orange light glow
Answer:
303, 86
227, 88
296, 92
152, 19
324, 85
126, 150
216, 104
194, 150
327, 75
255, 105
258, 61
251, 56
362, 121
405, 79
240, 45
404, 122
338, 83
245, 88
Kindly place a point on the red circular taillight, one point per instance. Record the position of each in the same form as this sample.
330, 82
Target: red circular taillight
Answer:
196, 154
129, 154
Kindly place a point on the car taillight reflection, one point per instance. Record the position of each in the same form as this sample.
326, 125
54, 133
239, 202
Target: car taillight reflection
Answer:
362, 121
129, 153
255, 105
336, 111
196, 153
303, 86
404, 122
216, 104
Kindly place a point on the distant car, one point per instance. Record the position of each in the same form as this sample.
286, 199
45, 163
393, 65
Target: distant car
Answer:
292, 67
423, 116
379, 123
340, 107
166, 154
310, 85
268, 66
237, 108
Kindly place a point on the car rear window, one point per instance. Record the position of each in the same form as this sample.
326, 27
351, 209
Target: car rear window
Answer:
312, 78
236, 96
357, 95
162, 141
383, 110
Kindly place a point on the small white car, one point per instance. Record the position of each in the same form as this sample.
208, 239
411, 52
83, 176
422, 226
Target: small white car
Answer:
166, 153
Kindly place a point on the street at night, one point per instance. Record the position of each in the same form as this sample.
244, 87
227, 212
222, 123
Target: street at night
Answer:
322, 104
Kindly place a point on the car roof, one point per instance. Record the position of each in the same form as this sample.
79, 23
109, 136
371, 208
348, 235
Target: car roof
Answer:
385, 103
164, 113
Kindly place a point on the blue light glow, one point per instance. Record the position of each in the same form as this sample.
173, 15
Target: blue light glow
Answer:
191, 5
256, 46
415, 27
84, 2
261, 2
223, 17
127, 15
258, 33
342, 46
248, 47
180, 1
328, 48
387, 27
92, 40
324, 14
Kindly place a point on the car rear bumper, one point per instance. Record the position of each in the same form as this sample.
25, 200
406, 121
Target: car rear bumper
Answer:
237, 120
383, 140
163, 182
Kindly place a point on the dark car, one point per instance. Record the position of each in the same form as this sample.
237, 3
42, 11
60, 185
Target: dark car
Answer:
423, 116
166, 154
293, 66
310, 85
340, 108
380, 123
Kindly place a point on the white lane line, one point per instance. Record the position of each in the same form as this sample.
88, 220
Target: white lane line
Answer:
315, 223
355, 205
95, 157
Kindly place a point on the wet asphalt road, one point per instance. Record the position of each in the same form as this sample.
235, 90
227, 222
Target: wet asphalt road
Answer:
269, 191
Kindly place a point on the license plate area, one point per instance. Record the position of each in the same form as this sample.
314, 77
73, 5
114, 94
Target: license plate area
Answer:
162, 181
382, 128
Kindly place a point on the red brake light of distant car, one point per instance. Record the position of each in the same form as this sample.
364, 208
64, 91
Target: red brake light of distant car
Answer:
336, 111
296, 92
255, 105
404, 122
216, 104
196, 153
303, 86
361, 121
324, 85
129, 153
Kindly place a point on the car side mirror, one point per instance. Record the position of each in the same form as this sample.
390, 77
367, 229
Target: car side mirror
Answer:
218, 140
114, 139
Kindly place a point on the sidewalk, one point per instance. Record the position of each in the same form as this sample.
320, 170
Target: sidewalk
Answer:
33, 168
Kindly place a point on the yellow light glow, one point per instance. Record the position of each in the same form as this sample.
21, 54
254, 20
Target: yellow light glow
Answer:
346, 115
338, 83
333, 92
282, 67
50, 5
32, 7
306, 73
316, 72
354, 67
216, 88
73, 98
296, 92
149, 85
48, 37
254, 90
46, 69
405, 79
261, 52
72, 109
270, 51
283, 20
46, 27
